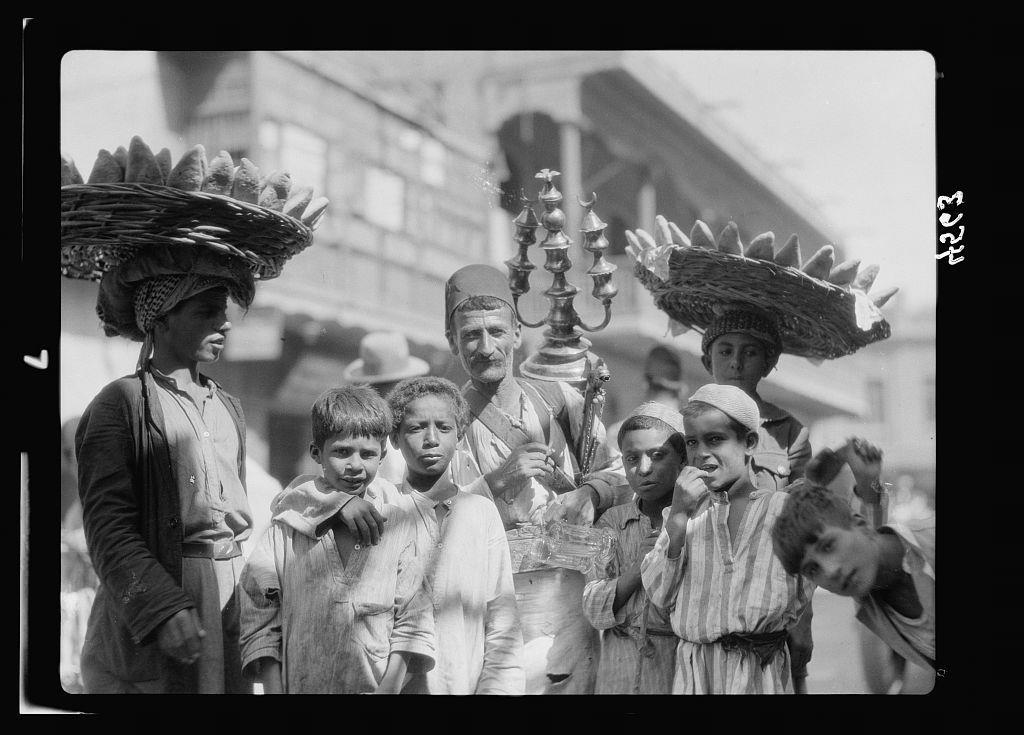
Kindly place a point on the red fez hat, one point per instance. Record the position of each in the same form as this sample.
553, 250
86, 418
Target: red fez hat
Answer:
475, 280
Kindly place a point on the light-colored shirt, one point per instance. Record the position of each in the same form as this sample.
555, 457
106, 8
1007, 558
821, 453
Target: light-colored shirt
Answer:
638, 646
481, 451
203, 443
392, 466
331, 624
783, 445
716, 587
912, 638
468, 573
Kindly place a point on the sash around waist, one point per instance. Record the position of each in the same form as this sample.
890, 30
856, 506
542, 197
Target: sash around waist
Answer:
763, 645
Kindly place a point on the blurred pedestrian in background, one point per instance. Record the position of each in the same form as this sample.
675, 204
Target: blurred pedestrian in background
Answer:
383, 361
663, 377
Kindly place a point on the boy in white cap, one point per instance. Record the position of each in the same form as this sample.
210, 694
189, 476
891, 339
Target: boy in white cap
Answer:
638, 646
740, 347
713, 569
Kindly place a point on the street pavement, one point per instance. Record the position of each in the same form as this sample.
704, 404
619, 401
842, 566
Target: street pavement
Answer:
835, 666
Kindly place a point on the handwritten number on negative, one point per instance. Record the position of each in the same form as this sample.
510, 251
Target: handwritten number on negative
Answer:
953, 239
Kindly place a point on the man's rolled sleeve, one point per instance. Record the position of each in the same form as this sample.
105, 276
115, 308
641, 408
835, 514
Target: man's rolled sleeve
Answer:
259, 608
608, 492
661, 575
598, 603
599, 592
413, 630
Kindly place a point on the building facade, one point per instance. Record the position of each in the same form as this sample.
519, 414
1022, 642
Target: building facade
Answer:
898, 378
423, 156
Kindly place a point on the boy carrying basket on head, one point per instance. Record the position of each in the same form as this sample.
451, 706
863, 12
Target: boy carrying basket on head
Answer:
753, 303
322, 610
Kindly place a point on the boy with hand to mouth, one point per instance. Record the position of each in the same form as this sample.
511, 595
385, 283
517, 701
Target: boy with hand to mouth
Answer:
322, 610
713, 569
741, 347
461, 540
889, 571
638, 647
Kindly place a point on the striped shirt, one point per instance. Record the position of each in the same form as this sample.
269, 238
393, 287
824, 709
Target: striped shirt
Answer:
332, 625
716, 587
468, 572
637, 656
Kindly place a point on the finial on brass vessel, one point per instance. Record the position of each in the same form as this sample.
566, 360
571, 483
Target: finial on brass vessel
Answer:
564, 353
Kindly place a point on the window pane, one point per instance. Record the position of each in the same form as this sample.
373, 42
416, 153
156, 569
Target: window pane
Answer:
304, 156
385, 199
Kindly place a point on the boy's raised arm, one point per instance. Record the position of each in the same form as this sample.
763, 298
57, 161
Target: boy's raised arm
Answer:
685, 496
865, 461
363, 520
662, 569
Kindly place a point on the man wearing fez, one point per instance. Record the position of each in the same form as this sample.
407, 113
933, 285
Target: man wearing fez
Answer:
519, 452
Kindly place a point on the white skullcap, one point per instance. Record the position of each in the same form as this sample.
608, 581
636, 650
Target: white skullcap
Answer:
654, 410
732, 401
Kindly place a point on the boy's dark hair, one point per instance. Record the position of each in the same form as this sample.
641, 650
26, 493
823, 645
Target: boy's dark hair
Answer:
693, 409
410, 389
808, 509
355, 410
638, 423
